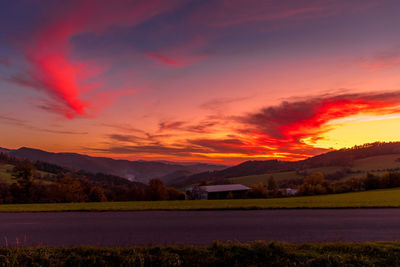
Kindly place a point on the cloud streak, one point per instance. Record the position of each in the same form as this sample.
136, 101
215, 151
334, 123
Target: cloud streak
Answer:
5, 119
49, 51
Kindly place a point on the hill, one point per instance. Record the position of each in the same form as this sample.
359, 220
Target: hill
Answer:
140, 171
48, 172
335, 165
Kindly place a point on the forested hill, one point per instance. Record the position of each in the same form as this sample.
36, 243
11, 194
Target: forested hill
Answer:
140, 171
50, 171
23, 181
342, 158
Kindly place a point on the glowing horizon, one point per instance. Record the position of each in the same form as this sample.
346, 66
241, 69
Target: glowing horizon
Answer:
211, 81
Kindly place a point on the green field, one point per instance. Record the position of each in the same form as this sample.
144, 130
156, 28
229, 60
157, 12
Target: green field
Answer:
256, 253
368, 199
377, 163
5, 173
255, 179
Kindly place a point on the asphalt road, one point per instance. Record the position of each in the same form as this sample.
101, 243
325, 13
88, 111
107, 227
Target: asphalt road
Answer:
197, 227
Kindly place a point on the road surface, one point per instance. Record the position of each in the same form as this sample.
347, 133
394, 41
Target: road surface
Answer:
197, 227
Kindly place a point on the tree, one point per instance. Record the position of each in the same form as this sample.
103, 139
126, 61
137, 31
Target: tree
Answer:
24, 172
258, 191
314, 184
272, 186
175, 194
371, 181
96, 194
157, 190
314, 179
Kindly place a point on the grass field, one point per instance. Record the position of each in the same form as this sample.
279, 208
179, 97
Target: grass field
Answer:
218, 254
5, 173
377, 163
255, 179
368, 199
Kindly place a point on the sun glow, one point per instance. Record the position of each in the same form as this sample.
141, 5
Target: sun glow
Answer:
357, 130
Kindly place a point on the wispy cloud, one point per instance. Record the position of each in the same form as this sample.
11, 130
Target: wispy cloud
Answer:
224, 13
6, 119
382, 59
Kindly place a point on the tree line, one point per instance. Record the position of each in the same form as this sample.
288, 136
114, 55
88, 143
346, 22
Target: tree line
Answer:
31, 186
317, 184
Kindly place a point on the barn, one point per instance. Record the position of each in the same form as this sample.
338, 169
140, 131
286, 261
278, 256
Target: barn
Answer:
217, 191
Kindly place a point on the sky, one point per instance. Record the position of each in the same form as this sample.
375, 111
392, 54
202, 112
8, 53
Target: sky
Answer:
210, 81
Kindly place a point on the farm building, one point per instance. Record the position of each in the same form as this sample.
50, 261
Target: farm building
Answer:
289, 191
216, 191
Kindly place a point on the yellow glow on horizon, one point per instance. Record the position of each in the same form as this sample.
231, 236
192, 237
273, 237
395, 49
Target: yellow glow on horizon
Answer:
356, 131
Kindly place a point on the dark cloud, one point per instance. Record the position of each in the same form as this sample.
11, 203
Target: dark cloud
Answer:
306, 118
218, 104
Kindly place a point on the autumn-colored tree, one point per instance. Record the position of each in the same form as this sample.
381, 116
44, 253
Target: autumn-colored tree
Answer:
96, 194
157, 190
72, 190
314, 184
258, 191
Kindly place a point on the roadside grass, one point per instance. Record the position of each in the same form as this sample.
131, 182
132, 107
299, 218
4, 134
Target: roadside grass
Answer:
388, 198
256, 253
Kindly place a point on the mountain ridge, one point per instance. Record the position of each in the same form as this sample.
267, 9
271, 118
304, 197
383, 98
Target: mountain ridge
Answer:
141, 171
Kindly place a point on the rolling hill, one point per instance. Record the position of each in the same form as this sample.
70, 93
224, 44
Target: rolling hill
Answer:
375, 157
48, 172
140, 171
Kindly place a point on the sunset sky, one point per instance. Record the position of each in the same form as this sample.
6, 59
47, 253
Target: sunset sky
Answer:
213, 81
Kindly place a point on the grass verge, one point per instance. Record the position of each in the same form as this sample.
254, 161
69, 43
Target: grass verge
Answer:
219, 254
389, 198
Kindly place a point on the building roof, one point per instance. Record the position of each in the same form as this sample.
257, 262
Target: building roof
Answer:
223, 188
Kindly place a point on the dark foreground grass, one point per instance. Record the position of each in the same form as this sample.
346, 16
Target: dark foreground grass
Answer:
218, 254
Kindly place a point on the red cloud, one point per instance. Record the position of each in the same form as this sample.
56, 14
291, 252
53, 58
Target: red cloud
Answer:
292, 121
49, 49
